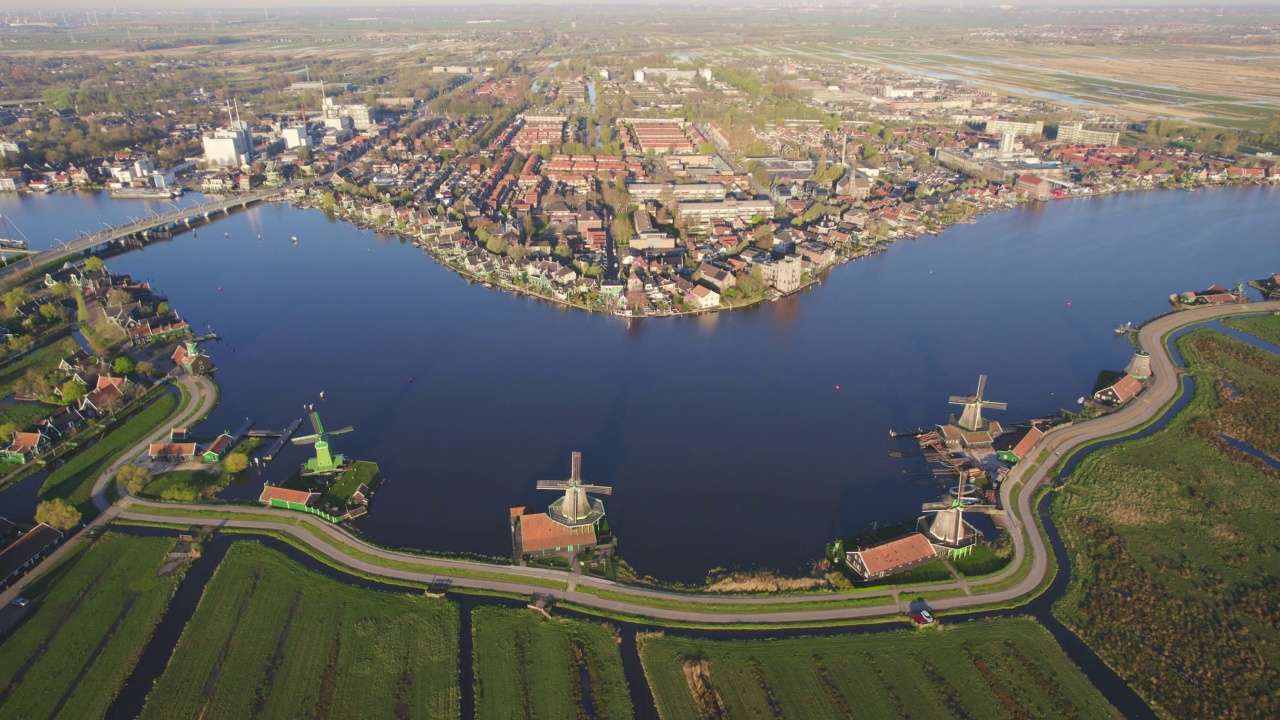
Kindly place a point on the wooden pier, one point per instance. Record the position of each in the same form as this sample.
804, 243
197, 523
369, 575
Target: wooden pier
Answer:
282, 437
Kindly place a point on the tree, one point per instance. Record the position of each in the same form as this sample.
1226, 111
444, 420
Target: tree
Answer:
122, 365
763, 236
58, 513
52, 312
72, 392
60, 289
118, 297
496, 245
133, 478
146, 369
563, 250
93, 264
7, 430
236, 462
162, 308
16, 298
517, 252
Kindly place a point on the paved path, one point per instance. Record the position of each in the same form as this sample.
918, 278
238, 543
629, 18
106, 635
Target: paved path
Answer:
202, 393
1060, 441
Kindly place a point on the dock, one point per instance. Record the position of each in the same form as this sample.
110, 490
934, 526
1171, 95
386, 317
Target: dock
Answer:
242, 431
281, 437
907, 433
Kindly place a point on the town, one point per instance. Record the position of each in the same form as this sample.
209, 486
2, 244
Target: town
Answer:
625, 188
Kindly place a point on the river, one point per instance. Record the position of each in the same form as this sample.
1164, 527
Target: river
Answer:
743, 439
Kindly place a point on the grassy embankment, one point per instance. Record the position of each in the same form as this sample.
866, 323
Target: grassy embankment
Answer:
1264, 327
1006, 668
528, 666
73, 481
87, 628
1173, 541
301, 522
273, 639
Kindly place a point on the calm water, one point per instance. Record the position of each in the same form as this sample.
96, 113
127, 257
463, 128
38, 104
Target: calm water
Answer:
725, 438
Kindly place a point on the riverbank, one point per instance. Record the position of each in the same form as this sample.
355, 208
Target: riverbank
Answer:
465, 256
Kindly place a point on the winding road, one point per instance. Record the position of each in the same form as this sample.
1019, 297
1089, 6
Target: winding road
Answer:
1030, 475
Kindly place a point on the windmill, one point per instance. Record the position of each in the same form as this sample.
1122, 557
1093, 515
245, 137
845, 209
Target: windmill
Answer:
971, 418
575, 508
324, 462
948, 526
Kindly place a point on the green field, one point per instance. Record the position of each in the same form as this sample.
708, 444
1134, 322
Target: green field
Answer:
1265, 327
74, 480
1173, 540
994, 669
42, 361
272, 639
528, 666
71, 655
24, 415
186, 485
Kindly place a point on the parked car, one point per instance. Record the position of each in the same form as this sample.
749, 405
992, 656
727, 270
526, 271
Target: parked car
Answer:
20, 602
924, 617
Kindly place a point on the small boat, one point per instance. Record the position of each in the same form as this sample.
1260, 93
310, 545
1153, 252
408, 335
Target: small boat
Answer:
294, 239
1080, 400
226, 235
259, 238
1125, 329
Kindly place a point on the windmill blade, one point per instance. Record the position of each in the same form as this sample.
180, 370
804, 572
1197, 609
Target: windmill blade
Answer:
995, 405
552, 484
305, 440
340, 431
598, 489
315, 423
958, 400
576, 467
982, 385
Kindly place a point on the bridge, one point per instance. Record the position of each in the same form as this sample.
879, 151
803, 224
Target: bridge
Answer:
146, 228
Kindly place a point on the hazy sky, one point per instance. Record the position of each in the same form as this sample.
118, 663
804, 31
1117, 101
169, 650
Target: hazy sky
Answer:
359, 8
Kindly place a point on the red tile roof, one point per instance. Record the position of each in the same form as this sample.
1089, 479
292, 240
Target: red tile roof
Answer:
171, 449
896, 553
271, 492
539, 532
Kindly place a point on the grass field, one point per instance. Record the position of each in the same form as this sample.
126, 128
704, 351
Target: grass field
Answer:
1173, 541
994, 669
272, 639
24, 414
74, 480
42, 361
529, 667
984, 560
186, 485
1266, 327
71, 655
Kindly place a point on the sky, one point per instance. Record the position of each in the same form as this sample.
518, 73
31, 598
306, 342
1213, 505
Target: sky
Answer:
106, 5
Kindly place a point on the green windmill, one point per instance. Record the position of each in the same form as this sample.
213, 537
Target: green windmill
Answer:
324, 463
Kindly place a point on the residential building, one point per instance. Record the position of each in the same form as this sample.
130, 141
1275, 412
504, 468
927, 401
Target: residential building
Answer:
700, 214
1036, 187
1119, 392
26, 552
1025, 129
889, 558
788, 275
1075, 133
